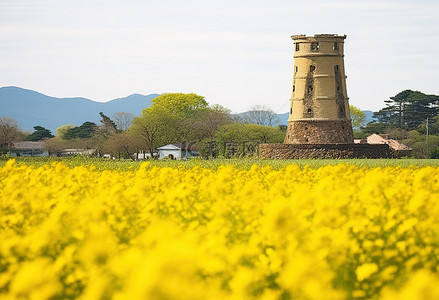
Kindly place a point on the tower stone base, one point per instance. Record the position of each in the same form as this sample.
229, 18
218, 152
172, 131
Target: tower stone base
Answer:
328, 151
319, 132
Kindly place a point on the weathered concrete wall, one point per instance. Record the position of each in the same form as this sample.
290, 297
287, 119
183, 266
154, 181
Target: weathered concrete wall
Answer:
331, 151
319, 132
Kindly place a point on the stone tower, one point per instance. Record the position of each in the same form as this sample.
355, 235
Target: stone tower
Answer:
319, 109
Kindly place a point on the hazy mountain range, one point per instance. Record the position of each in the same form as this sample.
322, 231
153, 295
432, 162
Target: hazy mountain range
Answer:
31, 108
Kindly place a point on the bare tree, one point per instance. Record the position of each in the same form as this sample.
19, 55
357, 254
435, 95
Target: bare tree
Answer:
8, 132
207, 122
120, 145
260, 115
150, 129
123, 120
54, 145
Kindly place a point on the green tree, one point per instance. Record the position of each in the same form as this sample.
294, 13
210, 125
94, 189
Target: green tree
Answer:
39, 134
377, 127
182, 106
149, 128
433, 126
358, 117
175, 118
240, 132
434, 153
283, 127
422, 149
408, 109
242, 138
61, 131
108, 127
86, 130
176, 111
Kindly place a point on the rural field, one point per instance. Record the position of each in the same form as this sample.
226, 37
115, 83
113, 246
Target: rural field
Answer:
219, 229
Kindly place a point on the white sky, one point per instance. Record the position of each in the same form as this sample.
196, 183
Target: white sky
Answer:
235, 53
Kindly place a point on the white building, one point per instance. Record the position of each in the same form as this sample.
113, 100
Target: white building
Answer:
144, 155
177, 151
78, 152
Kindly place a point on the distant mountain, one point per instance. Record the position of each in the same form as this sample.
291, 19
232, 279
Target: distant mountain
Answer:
369, 116
283, 118
31, 108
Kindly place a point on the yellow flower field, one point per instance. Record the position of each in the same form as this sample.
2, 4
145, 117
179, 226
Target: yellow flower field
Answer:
334, 232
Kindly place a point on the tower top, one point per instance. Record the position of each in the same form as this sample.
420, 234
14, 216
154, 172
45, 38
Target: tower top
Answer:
318, 37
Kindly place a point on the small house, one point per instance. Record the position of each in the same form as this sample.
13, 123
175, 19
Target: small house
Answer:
177, 151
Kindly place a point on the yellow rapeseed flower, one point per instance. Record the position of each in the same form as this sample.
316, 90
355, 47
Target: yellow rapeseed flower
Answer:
333, 232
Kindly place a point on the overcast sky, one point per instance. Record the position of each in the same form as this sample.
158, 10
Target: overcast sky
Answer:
235, 53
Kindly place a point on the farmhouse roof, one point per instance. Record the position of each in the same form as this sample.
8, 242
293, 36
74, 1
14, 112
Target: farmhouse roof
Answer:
28, 145
384, 139
182, 146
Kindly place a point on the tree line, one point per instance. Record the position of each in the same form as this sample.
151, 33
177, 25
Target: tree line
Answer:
410, 117
172, 118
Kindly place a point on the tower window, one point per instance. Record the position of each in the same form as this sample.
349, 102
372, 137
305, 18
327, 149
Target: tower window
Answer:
312, 68
338, 87
335, 46
297, 46
291, 111
296, 69
336, 68
294, 88
309, 110
314, 46
310, 89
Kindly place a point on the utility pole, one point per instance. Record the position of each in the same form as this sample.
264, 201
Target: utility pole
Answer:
427, 134
426, 140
